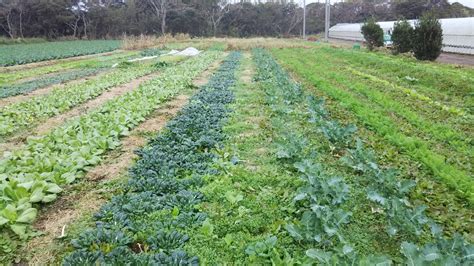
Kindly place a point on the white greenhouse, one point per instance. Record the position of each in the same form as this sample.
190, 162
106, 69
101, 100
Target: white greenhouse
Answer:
458, 33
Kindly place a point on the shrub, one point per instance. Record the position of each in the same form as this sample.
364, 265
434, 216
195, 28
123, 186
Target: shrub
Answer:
373, 34
428, 38
402, 36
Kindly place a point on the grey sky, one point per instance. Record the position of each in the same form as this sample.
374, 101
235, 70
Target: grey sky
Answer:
469, 3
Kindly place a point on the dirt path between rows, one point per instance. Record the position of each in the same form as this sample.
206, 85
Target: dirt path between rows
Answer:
45, 90
86, 197
18, 140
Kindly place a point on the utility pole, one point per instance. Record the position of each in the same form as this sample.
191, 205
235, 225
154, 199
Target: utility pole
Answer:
304, 19
327, 18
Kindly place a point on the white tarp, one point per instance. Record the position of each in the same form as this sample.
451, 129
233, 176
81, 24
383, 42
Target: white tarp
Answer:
190, 51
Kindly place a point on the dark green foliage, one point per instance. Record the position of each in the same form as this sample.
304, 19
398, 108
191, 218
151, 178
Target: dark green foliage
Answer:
428, 38
29, 86
33, 52
373, 34
151, 52
402, 36
161, 64
143, 226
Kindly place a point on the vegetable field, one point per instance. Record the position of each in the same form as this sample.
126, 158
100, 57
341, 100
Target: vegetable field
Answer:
250, 153
19, 54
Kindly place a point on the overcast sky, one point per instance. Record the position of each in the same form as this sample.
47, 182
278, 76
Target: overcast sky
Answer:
469, 3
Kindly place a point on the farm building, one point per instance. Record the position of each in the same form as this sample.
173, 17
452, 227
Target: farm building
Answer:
458, 33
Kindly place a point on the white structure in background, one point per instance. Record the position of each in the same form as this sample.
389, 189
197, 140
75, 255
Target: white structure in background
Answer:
458, 33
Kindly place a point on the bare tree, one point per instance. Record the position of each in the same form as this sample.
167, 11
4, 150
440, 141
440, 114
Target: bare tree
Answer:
160, 8
216, 12
12, 12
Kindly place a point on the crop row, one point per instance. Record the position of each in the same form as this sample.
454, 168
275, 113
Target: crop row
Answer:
438, 81
26, 113
420, 148
145, 225
324, 194
11, 76
35, 173
27, 53
29, 86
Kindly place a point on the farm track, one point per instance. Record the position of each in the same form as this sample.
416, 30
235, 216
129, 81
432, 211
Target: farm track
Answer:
54, 61
85, 198
15, 142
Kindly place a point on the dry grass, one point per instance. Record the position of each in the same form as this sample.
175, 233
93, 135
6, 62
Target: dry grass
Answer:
180, 41
146, 41
248, 44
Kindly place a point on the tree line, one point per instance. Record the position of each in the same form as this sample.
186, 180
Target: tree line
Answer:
113, 18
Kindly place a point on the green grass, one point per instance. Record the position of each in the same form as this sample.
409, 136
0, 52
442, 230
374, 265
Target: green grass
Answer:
253, 199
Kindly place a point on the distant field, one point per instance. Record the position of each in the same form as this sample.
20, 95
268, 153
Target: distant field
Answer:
17, 54
255, 152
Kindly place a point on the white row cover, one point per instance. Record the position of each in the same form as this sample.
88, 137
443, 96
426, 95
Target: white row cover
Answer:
458, 33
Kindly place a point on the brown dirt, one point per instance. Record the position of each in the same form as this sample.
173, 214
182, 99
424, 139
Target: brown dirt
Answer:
52, 62
457, 59
45, 90
19, 139
78, 203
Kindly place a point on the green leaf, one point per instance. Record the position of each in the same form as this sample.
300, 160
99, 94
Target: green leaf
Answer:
27, 216
10, 213
3, 220
37, 195
53, 188
320, 255
49, 198
19, 229
207, 228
